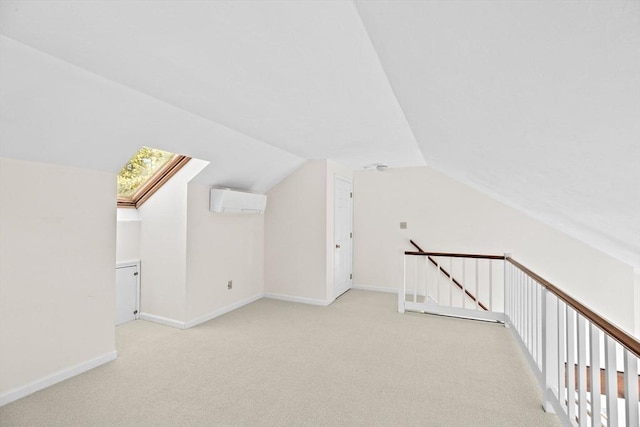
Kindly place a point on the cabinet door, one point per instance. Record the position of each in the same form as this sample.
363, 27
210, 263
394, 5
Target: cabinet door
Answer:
126, 294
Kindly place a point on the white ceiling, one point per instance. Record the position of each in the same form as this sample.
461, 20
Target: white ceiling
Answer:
300, 76
51, 111
536, 103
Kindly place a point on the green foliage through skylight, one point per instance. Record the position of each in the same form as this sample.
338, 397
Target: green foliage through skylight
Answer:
140, 169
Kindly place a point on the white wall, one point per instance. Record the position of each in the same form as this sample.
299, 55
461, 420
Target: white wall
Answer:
128, 235
296, 234
445, 215
163, 246
57, 275
636, 300
221, 247
188, 253
299, 233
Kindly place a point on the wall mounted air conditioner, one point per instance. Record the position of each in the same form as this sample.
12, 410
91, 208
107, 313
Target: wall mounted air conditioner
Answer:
230, 201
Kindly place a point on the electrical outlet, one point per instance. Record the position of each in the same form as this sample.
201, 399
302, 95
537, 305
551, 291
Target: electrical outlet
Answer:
230, 284
403, 225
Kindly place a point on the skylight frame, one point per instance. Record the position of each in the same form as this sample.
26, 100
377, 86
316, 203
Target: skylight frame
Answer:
154, 183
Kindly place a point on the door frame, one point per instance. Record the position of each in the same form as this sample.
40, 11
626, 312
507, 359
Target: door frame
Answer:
137, 264
335, 289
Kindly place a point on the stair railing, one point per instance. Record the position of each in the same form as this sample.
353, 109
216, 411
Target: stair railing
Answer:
451, 278
584, 363
433, 287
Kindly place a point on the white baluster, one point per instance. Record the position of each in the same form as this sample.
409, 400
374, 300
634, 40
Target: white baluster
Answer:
490, 285
611, 381
535, 347
532, 315
507, 291
401, 295
527, 314
582, 371
562, 392
546, 357
631, 388
415, 280
450, 282
476, 287
518, 287
534, 321
523, 306
464, 283
426, 279
594, 349
570, 368
520, 302
514, 298
540, 317
438, 282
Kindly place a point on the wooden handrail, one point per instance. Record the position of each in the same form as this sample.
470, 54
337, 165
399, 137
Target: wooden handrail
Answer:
451, 255
622, 337
453, 279
415, 245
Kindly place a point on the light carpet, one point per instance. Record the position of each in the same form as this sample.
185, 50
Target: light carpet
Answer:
273, 363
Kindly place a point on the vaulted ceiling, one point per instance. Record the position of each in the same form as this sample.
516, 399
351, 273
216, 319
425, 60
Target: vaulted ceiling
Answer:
535, 103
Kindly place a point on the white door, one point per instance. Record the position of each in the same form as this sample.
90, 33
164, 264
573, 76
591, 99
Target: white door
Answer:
126, 293
343, 235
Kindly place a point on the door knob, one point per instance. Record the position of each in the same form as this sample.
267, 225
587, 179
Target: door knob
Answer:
337, 246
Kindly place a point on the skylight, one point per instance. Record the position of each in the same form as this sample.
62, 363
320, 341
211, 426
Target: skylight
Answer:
145, 173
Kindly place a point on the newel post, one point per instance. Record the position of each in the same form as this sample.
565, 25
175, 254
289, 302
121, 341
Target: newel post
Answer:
402, 292
506, 290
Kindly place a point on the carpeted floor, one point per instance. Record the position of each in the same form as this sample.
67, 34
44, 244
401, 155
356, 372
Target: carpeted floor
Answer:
272, 363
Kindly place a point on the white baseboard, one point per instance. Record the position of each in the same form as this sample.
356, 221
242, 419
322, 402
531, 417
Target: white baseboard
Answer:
56, 377
375, 288
302, 300
221, 311
162, 320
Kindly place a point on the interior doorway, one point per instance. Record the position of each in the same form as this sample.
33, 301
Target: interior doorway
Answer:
343, 235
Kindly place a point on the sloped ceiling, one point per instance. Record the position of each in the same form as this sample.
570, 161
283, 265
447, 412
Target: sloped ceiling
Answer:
535, 103
299, 76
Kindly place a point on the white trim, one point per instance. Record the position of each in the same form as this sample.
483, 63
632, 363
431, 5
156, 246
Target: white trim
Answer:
548, 394
221, 311
464, 313
56, 377
375, 289
162, 320
535, 369
132, 263
311, 301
